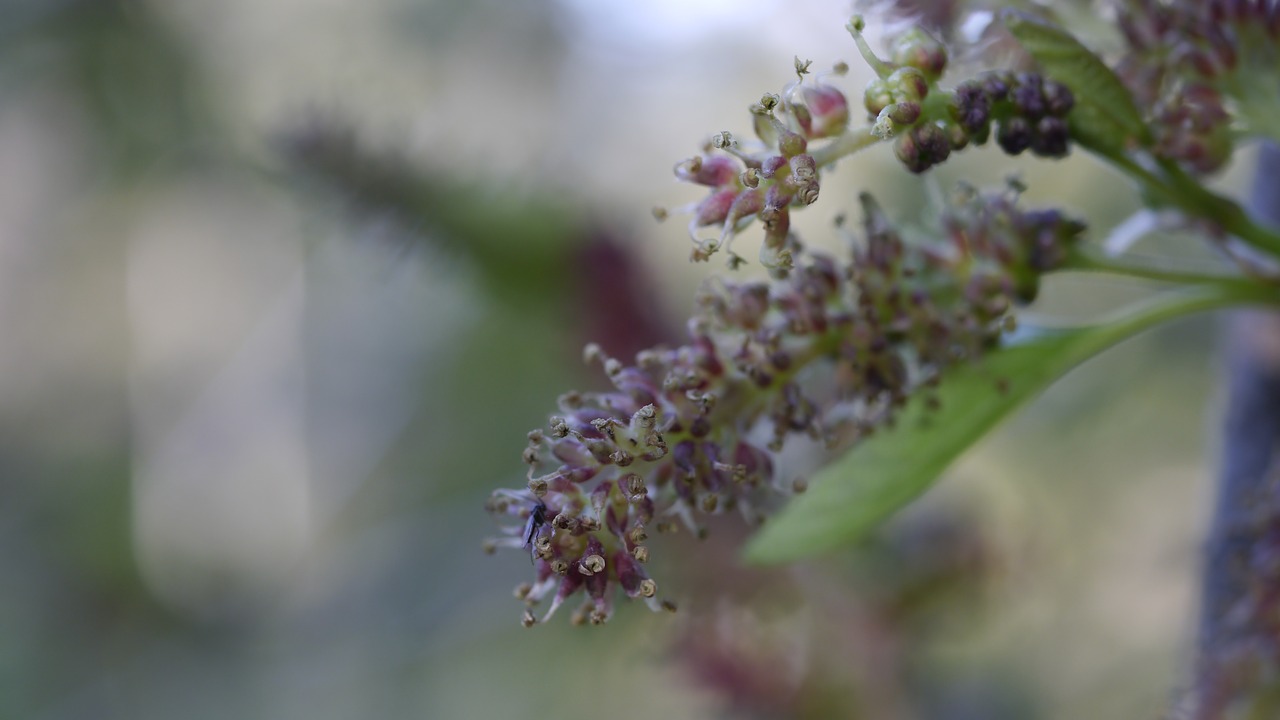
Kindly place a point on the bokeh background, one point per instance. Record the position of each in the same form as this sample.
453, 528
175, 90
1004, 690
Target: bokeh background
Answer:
283, 283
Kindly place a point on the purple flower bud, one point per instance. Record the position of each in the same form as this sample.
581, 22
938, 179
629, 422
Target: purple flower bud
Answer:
1057, 98
771, 165
715, 207
1027, 96
971, 107
997, 85
1050, 138
713, 171
922, 148
1014, 135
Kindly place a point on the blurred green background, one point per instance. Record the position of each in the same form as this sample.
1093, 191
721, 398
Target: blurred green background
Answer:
283, 283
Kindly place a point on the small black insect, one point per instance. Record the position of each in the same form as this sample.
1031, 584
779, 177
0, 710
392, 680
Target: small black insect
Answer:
537, 518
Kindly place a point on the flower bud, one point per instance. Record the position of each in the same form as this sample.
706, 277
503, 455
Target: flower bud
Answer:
715, 208
997, 85
828, 109
971, 107
908, 83
1050, 138
1028, 97
877, 96
792, 144
714, 171
772, 165
1014, 135
922, 148
904, 113
918, 49
1057, 98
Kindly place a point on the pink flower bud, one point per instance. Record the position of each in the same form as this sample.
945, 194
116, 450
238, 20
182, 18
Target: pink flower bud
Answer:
771, 165
715, 208
714, 171
828, 109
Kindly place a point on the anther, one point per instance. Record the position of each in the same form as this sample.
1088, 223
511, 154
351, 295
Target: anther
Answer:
591, 564
648, 588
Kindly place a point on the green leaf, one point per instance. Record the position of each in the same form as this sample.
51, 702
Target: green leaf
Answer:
1104, 117
882, 474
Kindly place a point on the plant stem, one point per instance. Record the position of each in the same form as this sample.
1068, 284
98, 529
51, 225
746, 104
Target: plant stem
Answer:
1172, 187
848, 143
1237, 644
1090, 259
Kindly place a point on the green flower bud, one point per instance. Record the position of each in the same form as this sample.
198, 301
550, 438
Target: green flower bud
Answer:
920, 50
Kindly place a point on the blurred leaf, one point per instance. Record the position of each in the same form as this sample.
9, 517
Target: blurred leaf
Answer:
1104, 117
522, 242
881, 475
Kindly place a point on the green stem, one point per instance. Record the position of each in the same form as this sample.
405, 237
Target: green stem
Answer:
1174, 188
850, 142
1212, 296
1220, 209
1088, 259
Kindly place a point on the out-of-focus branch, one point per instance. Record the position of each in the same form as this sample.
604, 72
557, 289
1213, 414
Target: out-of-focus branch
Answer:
1240, 617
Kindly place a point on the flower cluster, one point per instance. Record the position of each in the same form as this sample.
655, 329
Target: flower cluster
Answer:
1191, 65
806, 127
1029, 110
767, 182
692, 431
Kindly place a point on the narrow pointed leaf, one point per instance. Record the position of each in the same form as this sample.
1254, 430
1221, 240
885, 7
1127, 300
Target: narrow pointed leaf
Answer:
878, 477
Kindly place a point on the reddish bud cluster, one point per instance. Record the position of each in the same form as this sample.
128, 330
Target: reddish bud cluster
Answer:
1187, 59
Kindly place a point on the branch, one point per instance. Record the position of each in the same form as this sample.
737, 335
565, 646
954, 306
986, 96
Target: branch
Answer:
1238, 644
